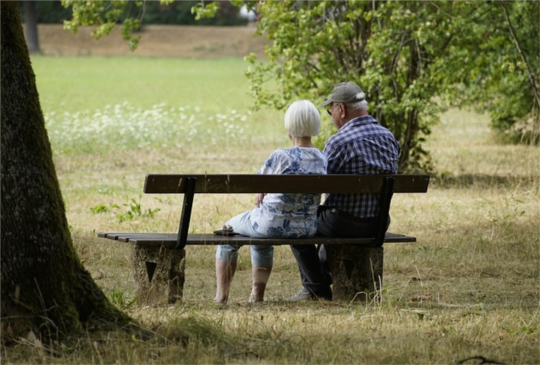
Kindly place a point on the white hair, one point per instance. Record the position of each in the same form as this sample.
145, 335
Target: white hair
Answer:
359, 105
302, 119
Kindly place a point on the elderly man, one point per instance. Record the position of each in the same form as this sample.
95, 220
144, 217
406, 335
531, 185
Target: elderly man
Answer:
361, 146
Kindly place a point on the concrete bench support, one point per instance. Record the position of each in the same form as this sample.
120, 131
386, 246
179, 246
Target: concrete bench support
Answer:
159, 273
356, 271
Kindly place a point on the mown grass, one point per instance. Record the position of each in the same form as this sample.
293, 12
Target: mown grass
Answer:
468, 287
75, 84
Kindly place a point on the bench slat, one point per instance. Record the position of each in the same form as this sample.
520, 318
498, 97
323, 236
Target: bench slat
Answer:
168, 240
252, 183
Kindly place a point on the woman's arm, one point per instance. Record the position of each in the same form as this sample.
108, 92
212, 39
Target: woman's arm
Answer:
268, 168
259, 199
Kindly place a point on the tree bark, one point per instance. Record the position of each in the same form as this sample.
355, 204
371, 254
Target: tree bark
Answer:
31, 26
44, 286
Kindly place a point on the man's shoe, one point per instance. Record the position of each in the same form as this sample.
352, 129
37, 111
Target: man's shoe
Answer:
302, 295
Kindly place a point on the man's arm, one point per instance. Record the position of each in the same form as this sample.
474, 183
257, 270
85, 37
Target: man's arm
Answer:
335, 155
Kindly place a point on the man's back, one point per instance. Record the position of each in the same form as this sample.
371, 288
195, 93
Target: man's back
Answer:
364, 147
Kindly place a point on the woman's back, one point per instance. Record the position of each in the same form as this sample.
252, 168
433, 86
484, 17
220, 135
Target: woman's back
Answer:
290, 215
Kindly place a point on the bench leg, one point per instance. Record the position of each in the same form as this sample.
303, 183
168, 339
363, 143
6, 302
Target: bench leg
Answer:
159, 273
357, 272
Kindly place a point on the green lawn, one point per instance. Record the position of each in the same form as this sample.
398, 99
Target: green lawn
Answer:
94, 105
81, 83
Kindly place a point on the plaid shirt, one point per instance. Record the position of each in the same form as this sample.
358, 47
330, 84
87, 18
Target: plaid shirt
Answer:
364, 147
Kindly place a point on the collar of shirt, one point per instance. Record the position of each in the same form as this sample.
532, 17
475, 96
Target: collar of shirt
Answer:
356, 122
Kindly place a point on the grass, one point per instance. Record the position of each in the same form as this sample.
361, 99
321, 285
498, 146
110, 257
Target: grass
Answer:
468, 287
76, 84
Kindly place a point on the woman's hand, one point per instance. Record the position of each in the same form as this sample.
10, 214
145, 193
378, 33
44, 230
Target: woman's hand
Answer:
259, 198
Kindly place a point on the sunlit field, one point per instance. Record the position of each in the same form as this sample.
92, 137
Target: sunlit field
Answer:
469, 286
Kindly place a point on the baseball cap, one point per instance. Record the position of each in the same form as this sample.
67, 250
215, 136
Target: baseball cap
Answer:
345, 92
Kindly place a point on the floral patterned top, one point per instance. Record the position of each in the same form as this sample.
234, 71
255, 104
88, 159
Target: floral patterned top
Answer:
290, 215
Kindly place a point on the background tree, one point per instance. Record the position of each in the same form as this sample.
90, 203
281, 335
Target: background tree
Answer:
388, 48
44, 286
150, 12
30, 25
493, 65
180, 13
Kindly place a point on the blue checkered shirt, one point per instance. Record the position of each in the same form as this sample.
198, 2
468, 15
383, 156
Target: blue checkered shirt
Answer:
364, 147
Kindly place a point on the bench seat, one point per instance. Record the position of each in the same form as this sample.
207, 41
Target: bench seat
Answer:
169, 240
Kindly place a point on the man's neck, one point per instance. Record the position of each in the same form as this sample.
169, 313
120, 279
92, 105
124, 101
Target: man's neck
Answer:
355, 114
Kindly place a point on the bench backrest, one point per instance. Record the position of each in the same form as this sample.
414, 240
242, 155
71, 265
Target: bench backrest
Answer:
237, 184
190, 184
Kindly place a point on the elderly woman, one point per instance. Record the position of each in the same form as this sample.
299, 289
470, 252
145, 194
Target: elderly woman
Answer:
276, 215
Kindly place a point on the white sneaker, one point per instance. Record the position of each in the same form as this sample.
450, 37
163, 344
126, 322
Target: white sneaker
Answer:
302, 295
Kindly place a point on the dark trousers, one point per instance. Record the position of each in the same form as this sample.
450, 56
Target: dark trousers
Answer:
311, 262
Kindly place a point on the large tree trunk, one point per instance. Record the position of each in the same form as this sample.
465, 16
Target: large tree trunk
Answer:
30, 25
44, 286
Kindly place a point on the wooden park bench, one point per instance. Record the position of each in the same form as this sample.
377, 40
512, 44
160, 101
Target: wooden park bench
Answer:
159, 258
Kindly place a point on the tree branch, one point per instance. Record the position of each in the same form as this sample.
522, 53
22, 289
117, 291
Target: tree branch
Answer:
520, 50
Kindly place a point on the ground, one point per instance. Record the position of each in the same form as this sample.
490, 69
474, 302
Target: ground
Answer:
156, 41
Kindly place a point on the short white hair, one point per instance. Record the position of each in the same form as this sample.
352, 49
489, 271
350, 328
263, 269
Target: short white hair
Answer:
359, 105
302, 119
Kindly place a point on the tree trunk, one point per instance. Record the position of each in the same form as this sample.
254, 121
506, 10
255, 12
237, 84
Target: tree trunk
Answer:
44, 286
30, 25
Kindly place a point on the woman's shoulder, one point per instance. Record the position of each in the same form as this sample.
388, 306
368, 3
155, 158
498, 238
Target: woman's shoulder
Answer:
312, 151
276, 157
298, 153
280, 152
